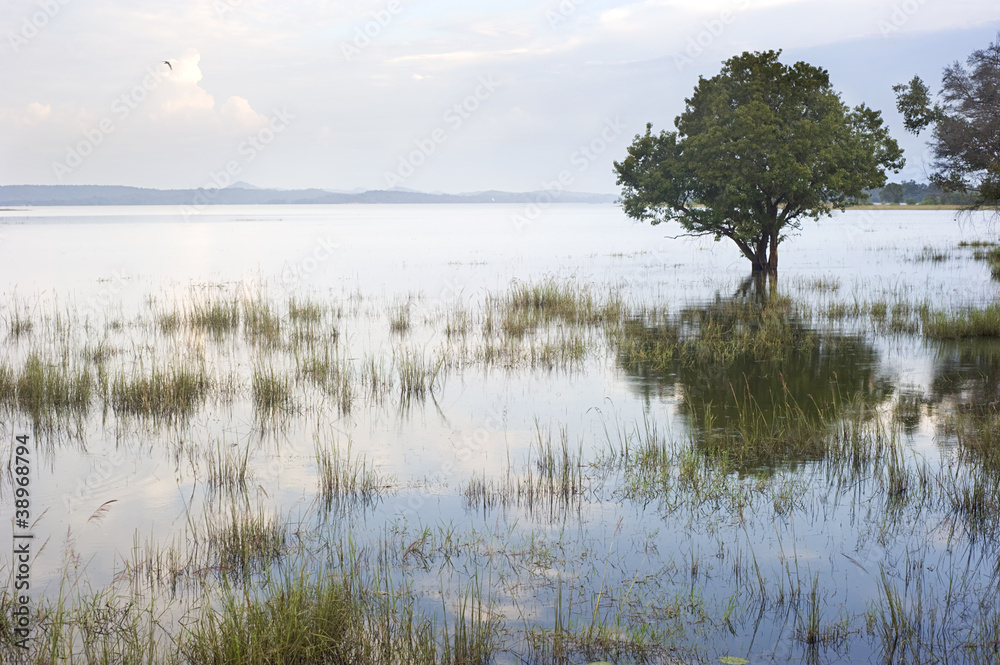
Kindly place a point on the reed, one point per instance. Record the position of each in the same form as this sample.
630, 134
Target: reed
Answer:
304, 311
45, 389
458, 322
724, 332
343, 478
240, 540
418, 375
271, 392
963, 324
19, 323
991, 255
334, 374
261, 324
171, 393
228, 468
528, 306
298, 618
554, 481
475, 631
399, 319
218, 317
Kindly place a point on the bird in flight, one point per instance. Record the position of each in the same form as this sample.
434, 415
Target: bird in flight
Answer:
167, 63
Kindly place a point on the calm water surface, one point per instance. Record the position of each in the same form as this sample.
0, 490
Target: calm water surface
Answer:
112, 267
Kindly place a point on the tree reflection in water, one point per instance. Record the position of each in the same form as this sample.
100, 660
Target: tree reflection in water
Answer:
752, 379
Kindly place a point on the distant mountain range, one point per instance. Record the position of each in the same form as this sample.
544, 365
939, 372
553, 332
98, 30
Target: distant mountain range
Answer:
243, 193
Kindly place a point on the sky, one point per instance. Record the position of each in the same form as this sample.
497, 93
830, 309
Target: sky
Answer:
433, 95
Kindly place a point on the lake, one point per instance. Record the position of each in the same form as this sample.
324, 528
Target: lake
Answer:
579, 437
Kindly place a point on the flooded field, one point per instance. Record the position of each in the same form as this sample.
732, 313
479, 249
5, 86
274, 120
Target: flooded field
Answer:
491, 434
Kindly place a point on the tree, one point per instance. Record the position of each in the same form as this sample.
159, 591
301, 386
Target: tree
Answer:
759, 147
966, 134
892, 193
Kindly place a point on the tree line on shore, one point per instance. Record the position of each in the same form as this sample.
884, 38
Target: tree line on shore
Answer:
912, 192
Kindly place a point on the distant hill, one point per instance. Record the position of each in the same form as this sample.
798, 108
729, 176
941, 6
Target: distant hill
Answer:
76, 195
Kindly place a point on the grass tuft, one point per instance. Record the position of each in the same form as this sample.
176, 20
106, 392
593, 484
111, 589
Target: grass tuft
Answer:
172, 393
272, 392
964, 324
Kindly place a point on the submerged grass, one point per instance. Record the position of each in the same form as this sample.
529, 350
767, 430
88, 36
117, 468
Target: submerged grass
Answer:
964, 324
332, 373
262, 325
724, 332
346, 479
418, 375
165, 393
218, 317
989, 253
759, 455
554, 481
242, 540
529, 306
271, 392
228, 468
45, 389
298, 619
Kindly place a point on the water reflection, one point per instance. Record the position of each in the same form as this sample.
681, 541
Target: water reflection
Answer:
751, 377
966, 385
967, 372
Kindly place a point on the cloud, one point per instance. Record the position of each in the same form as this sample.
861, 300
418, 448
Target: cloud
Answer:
181, 97
31, 115
163, 96
566, 66
236, 112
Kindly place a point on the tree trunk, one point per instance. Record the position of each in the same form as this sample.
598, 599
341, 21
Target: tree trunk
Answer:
759, 261
772, 263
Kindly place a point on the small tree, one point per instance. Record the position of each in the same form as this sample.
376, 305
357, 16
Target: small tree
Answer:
966, 135
758, 148
892, 193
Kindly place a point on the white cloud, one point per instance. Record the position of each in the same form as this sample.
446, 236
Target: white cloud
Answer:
236, 112
561, 80
181, 96
27, 116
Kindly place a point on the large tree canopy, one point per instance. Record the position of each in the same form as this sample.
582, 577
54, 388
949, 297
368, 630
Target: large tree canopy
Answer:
759, 147
966, 136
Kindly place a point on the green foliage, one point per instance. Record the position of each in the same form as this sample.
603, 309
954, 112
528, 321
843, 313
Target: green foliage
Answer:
298, 620
759, 147
966, 125
759, 383
892, 193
